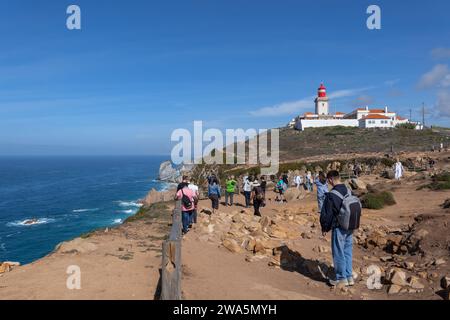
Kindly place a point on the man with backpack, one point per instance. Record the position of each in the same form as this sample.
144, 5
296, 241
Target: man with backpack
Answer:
258, 197
187, 198
230, 190
341, 213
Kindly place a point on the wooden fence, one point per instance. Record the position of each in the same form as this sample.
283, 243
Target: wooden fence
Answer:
171, 259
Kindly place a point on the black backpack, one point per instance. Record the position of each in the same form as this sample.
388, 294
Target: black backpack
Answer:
259, 195
186, 201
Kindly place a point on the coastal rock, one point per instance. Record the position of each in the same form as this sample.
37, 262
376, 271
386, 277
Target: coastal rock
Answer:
158, 196
445, 283
168, 173
7, 266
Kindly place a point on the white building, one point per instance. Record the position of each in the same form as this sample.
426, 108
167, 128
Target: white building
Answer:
359, 118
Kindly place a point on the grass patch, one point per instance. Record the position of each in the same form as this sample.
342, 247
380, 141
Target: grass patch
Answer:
440, 181
156, 210
378, 200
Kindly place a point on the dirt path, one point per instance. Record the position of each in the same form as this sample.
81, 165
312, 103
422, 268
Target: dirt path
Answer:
213, 272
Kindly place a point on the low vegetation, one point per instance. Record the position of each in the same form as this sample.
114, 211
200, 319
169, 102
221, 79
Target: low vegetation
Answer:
378, 200
439, 181
156, 210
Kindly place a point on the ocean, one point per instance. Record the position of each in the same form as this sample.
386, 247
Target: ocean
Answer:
64, 197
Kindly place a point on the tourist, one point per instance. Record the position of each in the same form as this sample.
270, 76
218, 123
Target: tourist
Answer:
258, 197
341, 240
183, 183
309, 181
186, 196
194, 188
230, 190
263, 185
247, 187
214, 194
322, 189
398, 169
281, 189
298, 181
286, 179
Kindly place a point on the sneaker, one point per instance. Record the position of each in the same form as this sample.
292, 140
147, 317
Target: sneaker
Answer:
351, 281
335, 283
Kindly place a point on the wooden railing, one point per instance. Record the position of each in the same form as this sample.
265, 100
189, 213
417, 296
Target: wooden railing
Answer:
171, 259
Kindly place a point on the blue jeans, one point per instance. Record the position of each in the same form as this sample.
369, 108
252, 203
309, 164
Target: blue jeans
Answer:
193, 216
186, 220
320, 200
247, 195
342, 248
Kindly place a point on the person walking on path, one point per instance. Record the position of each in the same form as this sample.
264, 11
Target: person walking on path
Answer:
194, 188
399, 170
186, 196
214, 194
247, 187
230, 190
340, 214
258, 197
322, 189
309, 181
281, 189
298, 181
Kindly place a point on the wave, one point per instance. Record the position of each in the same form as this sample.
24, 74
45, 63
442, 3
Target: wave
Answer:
3, 247
85, 210
129, 211
30, 222
117, 221
129, 204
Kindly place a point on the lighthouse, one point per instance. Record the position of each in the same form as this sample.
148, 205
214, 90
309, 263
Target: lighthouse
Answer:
322, 102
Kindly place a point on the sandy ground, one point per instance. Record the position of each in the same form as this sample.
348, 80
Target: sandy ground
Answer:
121, 264
213, 272
124, 262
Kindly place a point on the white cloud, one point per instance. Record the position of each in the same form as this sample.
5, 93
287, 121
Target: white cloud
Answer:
285, 108
441, 53
443, 104
296, 107
434, 77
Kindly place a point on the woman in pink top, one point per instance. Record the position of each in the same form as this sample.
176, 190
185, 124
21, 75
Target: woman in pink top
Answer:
186, 196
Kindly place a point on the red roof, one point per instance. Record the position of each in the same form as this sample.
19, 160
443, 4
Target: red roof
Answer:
377, 111
339, 113
400, 118
376, 116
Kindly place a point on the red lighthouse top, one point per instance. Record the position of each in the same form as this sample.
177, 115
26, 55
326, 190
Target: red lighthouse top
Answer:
322, 91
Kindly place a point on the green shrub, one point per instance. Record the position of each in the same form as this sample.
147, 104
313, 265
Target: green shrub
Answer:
378, 200
388, 198
409, 126
440, 181
372, 201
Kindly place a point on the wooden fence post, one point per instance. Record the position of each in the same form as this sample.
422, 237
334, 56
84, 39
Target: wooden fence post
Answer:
171, 259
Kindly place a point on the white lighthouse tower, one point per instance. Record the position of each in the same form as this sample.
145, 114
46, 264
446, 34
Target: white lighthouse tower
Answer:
322, 102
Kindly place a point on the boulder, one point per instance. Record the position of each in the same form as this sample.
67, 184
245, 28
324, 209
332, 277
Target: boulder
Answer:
415, 283
237, 218
293, 194
357, 184
398, 277
232, 245
394, 289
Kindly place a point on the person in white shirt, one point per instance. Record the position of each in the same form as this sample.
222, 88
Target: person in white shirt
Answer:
192, 186
247, 187
398, 170
298, 181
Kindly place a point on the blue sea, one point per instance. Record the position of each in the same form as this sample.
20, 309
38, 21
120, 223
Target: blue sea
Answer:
65, 197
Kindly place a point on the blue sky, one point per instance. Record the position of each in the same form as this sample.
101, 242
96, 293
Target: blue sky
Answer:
139, 69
